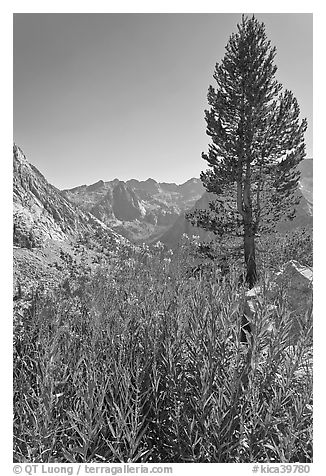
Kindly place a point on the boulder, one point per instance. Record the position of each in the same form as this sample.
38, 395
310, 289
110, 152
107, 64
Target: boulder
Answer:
296, 281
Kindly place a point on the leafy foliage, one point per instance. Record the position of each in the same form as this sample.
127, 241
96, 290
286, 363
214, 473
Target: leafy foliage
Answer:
140, 361
279, 248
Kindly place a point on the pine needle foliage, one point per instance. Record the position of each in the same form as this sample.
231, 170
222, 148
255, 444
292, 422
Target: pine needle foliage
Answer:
257, 141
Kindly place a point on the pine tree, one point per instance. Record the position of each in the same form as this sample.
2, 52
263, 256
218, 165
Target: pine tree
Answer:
257, 141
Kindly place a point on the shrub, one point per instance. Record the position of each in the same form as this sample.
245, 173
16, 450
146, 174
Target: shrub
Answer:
141, 363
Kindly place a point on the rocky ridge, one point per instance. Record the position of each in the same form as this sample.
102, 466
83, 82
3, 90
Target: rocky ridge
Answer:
41, 212
138, 210
149, 210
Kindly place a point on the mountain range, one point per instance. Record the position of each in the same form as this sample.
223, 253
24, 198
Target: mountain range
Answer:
50, 223
138, 210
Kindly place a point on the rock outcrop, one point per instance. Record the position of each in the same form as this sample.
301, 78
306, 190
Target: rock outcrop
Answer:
295, 281
126, 206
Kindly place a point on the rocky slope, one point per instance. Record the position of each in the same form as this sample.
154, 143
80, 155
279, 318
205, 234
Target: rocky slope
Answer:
49, 231
42, 213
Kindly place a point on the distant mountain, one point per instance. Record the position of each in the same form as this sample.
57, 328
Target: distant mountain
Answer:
304, 211
306, 180
182, 226
138, 210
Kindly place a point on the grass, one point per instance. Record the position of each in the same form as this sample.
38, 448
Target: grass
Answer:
141, 362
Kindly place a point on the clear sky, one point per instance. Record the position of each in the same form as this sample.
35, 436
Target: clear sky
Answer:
100, 96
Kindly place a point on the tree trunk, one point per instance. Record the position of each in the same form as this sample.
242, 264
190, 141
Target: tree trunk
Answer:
250, 258
249, 245
249, 236
251, 278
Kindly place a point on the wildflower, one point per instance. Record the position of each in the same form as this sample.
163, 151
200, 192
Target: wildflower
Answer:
130, 263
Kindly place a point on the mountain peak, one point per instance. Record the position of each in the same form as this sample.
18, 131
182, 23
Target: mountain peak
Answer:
192, 180
95, 186
126, 206
19, 155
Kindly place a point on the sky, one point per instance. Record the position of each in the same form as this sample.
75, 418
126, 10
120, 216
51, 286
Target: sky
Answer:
104, 96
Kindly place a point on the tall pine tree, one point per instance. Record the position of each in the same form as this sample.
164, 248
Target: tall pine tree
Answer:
257, 143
